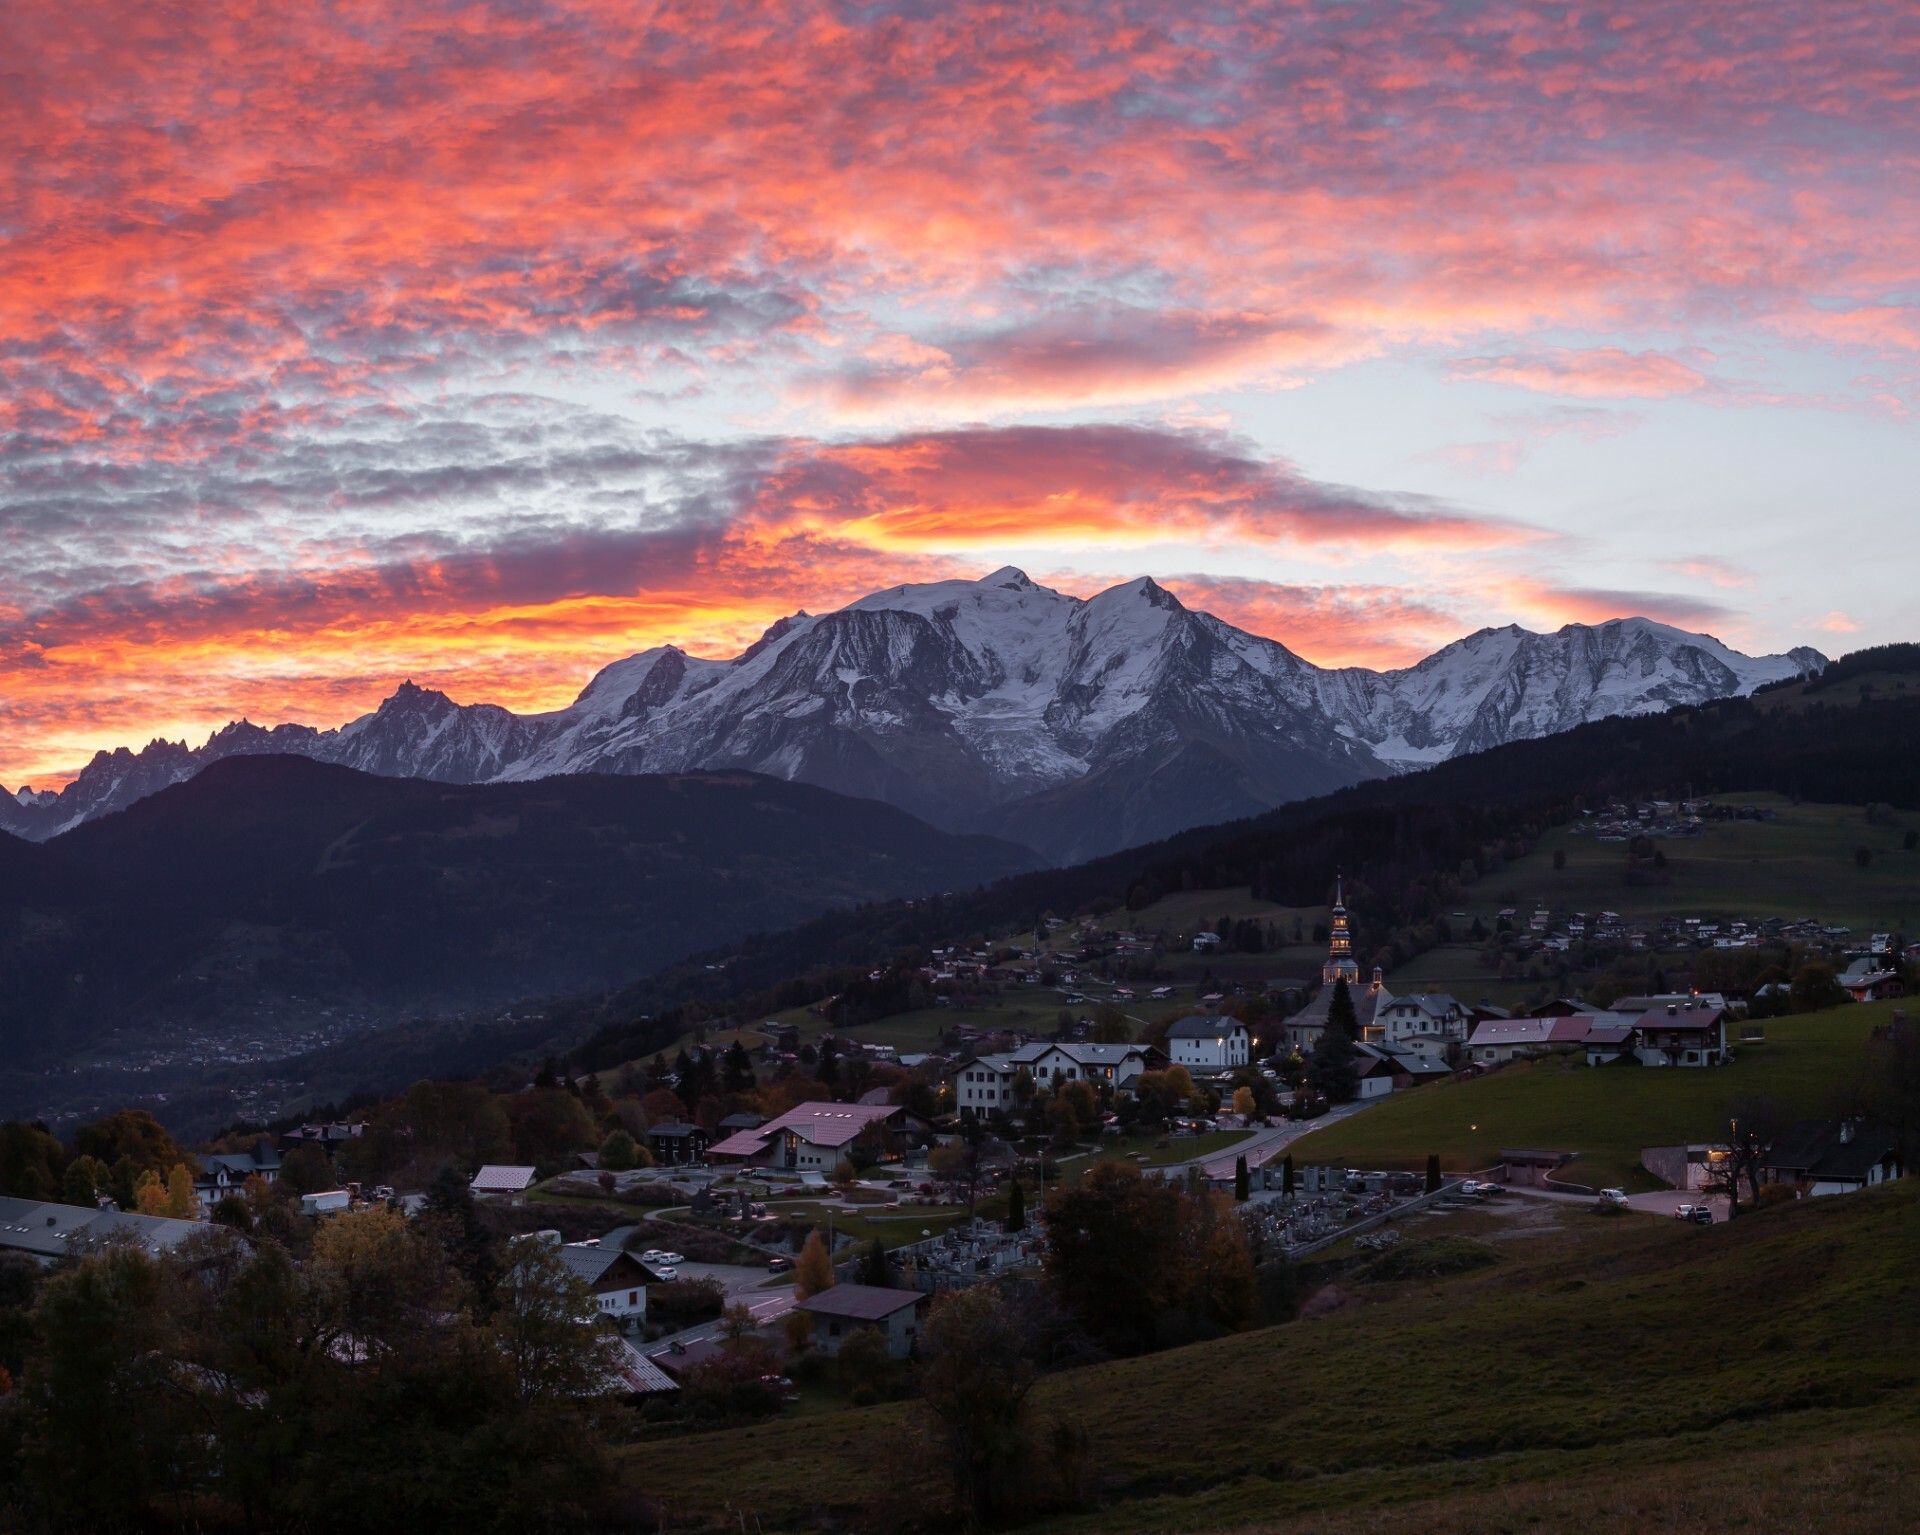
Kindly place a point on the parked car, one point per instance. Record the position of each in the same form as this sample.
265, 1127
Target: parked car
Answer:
666, 1273
1702, 1216
1614, 1197
1685, 1212
653, 1255
672, 1258
779, 1265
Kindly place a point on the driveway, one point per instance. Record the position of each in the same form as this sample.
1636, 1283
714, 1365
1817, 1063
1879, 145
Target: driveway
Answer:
1668, 1200
1665, 1202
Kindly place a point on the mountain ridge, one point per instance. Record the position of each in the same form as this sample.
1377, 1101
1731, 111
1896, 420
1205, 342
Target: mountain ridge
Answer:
272, 888
999, 706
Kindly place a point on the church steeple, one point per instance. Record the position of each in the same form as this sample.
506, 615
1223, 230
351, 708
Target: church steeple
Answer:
1340, 944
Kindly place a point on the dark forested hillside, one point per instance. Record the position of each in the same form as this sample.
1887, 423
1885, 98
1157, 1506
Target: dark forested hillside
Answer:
1404, 842
273, 884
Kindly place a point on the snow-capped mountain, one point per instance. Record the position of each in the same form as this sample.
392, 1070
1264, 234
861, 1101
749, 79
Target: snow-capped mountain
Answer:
1077, 726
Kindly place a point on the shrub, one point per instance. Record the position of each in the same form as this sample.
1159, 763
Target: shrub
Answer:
687, 1298
1437, 1259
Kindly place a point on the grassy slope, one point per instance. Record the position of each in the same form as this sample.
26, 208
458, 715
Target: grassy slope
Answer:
1634, 1343
1606, 1113
1800, 864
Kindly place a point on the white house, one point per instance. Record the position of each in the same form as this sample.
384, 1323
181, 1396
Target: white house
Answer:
1429, 1021
984, 1083
1209, 1042
617, 1278
1375, 1071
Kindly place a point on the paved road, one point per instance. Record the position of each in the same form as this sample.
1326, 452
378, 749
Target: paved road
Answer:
767, 1306
1263, 1146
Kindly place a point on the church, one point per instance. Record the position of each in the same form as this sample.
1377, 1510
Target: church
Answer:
1302, 1031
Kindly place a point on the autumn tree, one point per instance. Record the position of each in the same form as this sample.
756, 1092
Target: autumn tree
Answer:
813, 1270
32, 1162
181, 1203
617, 1152
976, 1373
547, 1327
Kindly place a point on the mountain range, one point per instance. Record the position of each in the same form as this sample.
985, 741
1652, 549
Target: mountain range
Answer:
1071, 726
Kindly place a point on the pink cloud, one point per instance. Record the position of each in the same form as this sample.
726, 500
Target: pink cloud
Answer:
1601, 373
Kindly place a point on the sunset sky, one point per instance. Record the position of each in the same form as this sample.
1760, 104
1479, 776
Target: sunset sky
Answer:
484, 343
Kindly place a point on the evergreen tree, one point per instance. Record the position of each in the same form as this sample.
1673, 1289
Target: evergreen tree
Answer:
1016, 1206
1333, 1069
874, 1270
738, 1077
1433, 1171
1340, 1013
1286, 1175
1242, 1180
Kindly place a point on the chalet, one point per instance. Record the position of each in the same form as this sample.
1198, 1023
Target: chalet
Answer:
984, 1083
616, 1277
226, 1172
847, 1309
1867, 981
676, 1144
1208, 1042
1682, 1033
1503, 1039
1825, 1156
811, 1137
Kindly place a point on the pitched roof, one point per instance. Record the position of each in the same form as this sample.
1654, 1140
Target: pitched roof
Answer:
49, 1230
1674, 1016
1205, 1026
823, 1124
496, 1178
1814, 1148
592, 1264
1512, 1031
636, 1373
1366, 1003
862, 1302
1074, 1050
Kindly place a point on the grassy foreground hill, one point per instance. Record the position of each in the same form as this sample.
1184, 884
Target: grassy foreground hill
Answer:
1603, 1374
1606, 1113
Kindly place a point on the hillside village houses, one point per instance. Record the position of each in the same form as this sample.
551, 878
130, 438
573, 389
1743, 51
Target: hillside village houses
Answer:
1672, 1031
226, 1172
985, 1083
